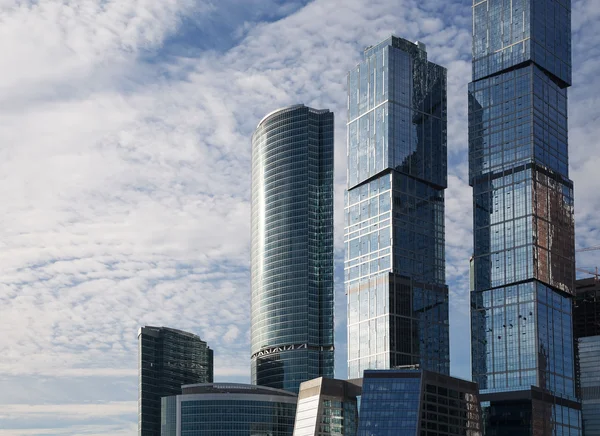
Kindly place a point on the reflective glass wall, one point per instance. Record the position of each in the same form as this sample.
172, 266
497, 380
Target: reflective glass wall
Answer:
168, 359
394, 221
523, 261
292, 247
227, 409
586, 314
418, 403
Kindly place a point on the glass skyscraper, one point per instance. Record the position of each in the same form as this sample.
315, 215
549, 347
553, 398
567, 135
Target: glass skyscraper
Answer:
394, 216
168, 359
586, 314
523, 263
328, 407
292, 247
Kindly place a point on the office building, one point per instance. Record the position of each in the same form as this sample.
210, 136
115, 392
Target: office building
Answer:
328, 407
227, 409
292, 248
586, 321
588, 383
168, 359
524, 271
394, 216
413, 402
586, 308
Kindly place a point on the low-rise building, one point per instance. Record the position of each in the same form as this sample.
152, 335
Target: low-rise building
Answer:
228, 409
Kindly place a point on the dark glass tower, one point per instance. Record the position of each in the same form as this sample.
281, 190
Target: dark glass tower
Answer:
586, 308
168, 359
586, 321
394, 229
292, 247
523, 263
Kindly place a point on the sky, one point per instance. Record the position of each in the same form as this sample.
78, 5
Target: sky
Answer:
125, 148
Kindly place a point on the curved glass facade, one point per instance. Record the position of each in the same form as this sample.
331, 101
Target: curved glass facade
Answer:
292, 247
227, 409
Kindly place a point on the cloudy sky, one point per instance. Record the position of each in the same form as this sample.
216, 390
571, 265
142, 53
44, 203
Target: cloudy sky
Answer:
124, 177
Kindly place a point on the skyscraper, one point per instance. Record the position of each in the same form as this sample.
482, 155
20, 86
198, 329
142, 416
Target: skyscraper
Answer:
292, 247
394, 229
522, 333
586, 308
168, 359
586, 321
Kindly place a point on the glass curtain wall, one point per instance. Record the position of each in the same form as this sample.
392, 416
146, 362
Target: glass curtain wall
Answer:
394, 220
523, 262
168, 359
292, 248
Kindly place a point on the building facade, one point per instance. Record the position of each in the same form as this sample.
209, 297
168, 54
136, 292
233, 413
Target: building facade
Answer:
586, 308
168, 359
292, 248
394, 216
523, 263
588, 375
415, 402
227, 409
586, 321
328, 407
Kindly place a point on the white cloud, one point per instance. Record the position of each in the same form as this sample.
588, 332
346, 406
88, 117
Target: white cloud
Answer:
124, 170
68, 411
122, 429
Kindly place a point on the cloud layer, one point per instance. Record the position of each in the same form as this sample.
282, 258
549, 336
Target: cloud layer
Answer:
124, 177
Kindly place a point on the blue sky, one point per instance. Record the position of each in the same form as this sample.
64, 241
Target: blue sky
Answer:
124, 177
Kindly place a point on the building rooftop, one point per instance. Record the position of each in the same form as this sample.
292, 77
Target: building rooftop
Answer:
233, 388
289, 108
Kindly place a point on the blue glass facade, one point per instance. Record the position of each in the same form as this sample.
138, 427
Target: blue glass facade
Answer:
229, 410
389, 406
523, 262
292, 248
394, 220
589, 383
418, 403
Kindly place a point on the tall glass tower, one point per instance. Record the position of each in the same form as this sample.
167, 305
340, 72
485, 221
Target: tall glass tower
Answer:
394, 232
292, 247
523, 263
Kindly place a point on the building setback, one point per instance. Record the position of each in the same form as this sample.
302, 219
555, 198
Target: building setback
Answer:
523, 262
292, 248
394, 216
168, 359
414, 402
219, 409
328, 407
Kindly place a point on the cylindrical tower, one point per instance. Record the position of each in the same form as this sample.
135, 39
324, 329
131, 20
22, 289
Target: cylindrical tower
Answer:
292, 247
